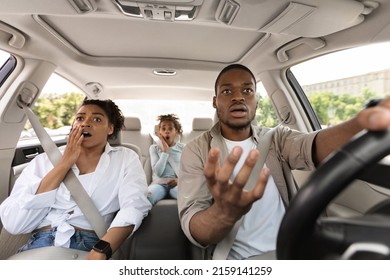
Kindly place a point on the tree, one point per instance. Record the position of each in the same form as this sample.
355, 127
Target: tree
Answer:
332, 108
55, 111
265, 114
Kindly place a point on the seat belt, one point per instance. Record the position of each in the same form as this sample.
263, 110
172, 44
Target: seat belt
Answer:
222, 249
173, 165
81, 197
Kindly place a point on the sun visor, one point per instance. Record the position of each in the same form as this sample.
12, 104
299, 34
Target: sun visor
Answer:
308, 19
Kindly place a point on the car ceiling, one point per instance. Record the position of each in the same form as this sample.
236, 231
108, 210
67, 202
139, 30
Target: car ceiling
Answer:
112, 55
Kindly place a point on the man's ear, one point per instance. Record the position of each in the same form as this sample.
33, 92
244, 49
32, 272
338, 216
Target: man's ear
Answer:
215, 102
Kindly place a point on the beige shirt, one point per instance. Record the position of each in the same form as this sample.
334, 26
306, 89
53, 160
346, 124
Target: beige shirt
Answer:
291, 146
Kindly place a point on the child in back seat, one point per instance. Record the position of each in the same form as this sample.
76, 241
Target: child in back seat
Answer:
165, 159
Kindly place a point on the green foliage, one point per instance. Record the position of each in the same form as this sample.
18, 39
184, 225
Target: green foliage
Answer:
330, 108
265, 114
334, 108
55, 111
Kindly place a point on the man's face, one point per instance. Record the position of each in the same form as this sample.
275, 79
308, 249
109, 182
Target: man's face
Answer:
236, 100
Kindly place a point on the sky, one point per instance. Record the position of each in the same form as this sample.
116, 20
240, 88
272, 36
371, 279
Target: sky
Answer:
344, 64
57, 84
3, 56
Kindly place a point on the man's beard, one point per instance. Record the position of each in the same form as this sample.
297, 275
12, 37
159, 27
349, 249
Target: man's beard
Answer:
234, 126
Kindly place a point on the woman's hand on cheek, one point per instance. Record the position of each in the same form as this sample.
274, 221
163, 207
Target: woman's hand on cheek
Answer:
73, 146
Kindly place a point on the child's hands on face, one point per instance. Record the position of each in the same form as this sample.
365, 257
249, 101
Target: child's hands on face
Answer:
165, 146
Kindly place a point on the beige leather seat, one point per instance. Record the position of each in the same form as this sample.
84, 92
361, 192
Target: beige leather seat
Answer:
199, 125
160, 236
132, 134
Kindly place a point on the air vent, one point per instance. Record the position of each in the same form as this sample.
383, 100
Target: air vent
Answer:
164, 11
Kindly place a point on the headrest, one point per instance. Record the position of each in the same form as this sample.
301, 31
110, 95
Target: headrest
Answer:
132, 124
116, 141
201, 124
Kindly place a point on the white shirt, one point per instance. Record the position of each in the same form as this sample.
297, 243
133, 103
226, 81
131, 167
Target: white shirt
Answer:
259, 228
118, 183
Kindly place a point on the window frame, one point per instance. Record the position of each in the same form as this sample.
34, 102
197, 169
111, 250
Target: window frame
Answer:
7, 68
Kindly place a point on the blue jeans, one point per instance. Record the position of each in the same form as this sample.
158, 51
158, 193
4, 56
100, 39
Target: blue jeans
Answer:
157, 192
80, 240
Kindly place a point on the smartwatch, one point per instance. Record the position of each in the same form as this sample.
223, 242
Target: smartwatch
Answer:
103, 247
373, 102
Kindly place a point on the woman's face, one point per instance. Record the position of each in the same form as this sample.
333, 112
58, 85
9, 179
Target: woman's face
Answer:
95, 125
168, 131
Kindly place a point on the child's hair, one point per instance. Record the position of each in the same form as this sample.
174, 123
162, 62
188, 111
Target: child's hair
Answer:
112, 111
172, 118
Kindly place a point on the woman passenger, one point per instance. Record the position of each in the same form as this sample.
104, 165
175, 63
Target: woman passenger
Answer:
112, 176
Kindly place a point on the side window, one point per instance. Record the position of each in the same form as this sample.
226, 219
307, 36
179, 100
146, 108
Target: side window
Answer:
338, 85
3, 57
7, 64
55, 109
265, 113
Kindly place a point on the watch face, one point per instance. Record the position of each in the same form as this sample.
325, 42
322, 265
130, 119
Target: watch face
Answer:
102, 246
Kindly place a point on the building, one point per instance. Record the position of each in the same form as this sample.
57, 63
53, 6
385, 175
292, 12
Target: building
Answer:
378, 82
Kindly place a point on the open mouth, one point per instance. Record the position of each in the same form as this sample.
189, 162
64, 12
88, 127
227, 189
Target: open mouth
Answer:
86, 134
238, 110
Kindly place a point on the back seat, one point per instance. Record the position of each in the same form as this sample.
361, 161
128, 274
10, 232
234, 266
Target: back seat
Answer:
160, 236
117, 142
199, 125
132, 134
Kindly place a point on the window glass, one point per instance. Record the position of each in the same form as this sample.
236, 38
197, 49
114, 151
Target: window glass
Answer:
55, 108
338, 85
3, 57
148, 110
7, 64
265, 113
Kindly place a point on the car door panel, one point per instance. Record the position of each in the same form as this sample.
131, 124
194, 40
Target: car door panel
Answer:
23, 155
357, 199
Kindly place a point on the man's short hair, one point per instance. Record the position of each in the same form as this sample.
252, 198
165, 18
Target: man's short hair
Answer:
230, 67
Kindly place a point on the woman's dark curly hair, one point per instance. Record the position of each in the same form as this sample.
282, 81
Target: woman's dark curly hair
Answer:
114, 114
172, 118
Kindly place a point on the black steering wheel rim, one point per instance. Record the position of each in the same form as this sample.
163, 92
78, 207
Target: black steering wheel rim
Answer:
333, 176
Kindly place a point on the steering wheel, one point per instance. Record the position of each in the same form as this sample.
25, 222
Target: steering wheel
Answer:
303, 234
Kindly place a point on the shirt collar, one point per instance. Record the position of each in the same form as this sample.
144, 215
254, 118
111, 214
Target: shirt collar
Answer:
108, 148
215, 132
